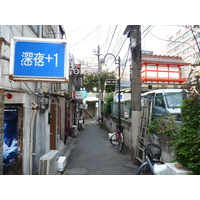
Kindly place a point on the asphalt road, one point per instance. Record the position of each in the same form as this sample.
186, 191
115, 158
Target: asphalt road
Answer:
93, 154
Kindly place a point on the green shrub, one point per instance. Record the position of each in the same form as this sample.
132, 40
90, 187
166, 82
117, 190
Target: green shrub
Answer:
107, 103
164, 125
186, 137
186, 145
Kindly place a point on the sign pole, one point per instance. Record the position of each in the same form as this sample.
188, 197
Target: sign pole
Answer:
119, 102
99, 84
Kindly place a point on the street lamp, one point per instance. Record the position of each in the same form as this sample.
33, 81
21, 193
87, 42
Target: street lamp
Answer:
118, 81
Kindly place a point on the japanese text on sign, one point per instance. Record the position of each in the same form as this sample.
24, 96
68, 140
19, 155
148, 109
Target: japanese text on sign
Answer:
37, 59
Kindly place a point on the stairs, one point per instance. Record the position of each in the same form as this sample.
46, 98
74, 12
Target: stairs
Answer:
88, 113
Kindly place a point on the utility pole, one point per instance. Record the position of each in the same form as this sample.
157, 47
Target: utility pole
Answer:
135, 45
119, 108
134, 32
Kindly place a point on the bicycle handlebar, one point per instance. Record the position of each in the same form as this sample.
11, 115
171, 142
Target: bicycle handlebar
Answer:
143, 145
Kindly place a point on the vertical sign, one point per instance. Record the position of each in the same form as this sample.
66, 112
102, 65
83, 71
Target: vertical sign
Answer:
37, 59
10, 135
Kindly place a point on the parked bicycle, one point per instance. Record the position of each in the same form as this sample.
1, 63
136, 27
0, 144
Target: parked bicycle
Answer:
117, 138
153, 153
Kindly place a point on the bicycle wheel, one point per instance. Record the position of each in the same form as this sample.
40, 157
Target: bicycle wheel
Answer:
144, 169
113, 140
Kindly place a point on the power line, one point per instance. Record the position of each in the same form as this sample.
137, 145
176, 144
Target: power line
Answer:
107, 39
86, 36
172, 40
112, 38
77, 29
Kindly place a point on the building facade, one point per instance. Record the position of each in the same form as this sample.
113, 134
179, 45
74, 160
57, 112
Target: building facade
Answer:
31, 113
162, 70
184, 43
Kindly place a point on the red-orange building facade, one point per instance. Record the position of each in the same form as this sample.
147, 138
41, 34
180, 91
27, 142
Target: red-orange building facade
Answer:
162, 69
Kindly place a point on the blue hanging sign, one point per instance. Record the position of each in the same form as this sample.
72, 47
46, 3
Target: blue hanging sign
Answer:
37, 59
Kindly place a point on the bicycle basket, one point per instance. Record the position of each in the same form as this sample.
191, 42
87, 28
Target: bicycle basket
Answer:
120, 128
154, 151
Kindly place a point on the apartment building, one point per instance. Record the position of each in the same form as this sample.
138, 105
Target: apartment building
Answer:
184, 43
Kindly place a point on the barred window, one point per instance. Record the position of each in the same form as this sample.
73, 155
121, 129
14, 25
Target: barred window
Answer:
35, 29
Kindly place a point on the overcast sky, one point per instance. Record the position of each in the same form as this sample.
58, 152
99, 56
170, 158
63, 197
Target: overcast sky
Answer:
84, 39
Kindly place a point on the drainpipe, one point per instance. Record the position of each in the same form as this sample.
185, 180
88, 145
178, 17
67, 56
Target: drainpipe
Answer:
34, 107
32, 128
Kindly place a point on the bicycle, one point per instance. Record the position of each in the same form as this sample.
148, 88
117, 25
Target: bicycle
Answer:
117, 138
153, 153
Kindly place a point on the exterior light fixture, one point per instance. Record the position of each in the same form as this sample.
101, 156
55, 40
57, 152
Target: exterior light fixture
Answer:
9, 96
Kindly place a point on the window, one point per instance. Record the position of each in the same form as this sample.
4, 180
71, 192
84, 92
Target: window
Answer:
179, 39
187, 33
195, 46
197, 35
159, 100
188, 58
197, 54
180, 54
169, 45
35, 29
177, 47
173, 99
187, 50
170, 52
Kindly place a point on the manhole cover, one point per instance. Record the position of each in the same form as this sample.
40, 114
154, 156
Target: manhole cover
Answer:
78, 171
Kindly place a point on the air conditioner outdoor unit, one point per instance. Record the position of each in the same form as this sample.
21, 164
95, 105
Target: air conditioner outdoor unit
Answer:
49, 163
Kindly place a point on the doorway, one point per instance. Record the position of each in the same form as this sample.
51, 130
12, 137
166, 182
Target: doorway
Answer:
53, 125
12, 140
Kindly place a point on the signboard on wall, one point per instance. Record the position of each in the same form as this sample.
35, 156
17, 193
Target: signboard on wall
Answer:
80, 94
111, 81
39, 59
10, 135
83, 106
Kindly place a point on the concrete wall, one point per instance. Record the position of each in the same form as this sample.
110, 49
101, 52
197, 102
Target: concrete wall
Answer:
164, 142
130, 140
110, 122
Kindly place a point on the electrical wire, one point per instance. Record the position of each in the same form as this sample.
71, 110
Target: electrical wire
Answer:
126, 60
119, 43
107, 40
77, 29
30, 89
112, 39
85, 36
170, 40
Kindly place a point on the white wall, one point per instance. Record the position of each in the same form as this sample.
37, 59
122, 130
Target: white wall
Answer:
23, 94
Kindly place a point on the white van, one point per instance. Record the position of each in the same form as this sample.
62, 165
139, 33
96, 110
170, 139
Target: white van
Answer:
165, 101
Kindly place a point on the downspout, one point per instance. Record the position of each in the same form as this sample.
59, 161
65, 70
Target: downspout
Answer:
32, 127
31, 138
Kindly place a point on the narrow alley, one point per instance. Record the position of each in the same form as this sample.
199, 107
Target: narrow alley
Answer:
93, 154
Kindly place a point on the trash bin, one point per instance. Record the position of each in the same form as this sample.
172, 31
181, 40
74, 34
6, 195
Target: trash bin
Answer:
73, 130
